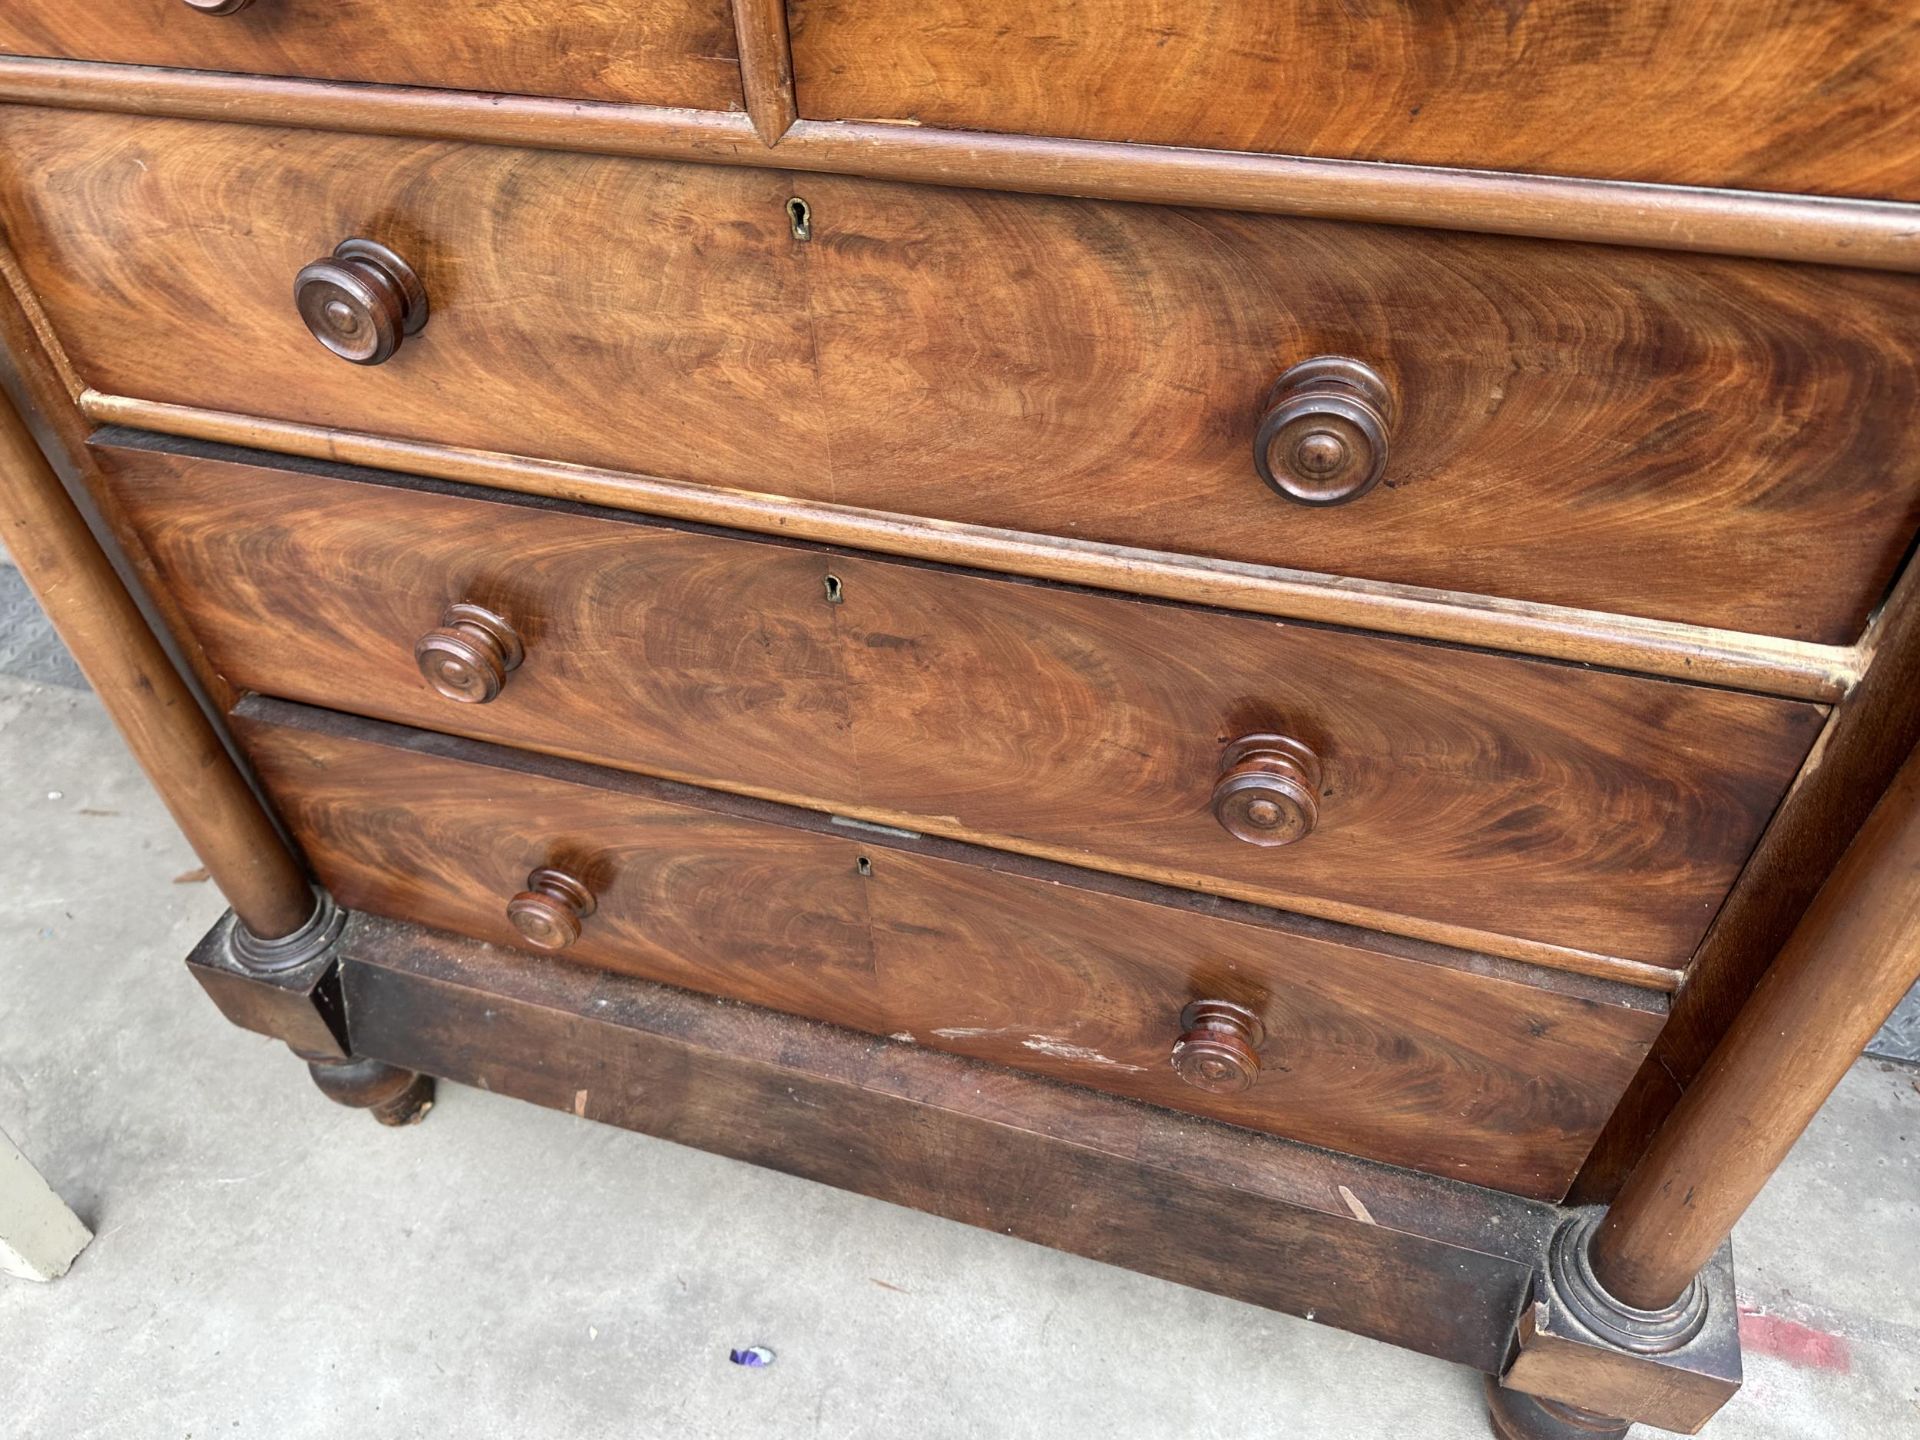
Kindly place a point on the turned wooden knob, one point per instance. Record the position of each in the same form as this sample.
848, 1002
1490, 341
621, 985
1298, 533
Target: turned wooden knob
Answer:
361, 301
1219, 1051
218, 7
470, 655
1268, 792
549, 911
1324, 438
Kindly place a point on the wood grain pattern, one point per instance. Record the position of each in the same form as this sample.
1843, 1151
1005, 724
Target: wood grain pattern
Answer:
1439, 1267
1570, 430
1503, 797
1764, 94
1533, 800
1863, 234
1583, 428
1793, 669
662, 324
1866, 739
766, 66
662, 52
646, 646
1853, 957
36, 372
204, 790
1371, 1042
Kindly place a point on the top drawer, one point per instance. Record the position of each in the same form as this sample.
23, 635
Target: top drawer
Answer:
1802, 95
1714, 441
654, 52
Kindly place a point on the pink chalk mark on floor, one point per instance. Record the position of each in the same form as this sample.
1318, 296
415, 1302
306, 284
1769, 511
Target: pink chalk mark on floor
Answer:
1799, 1345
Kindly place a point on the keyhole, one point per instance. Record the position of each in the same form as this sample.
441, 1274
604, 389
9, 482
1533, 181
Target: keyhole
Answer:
863, 865
834, 592
801, 218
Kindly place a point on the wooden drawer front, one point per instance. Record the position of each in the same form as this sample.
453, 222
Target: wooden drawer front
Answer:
1629, 432
1723, 442
1760, 94
1481, 792
654, 52
1393, 1049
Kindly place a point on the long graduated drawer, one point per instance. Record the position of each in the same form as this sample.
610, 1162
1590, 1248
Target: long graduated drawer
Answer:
1612, 430
1476, 1069
1504, 803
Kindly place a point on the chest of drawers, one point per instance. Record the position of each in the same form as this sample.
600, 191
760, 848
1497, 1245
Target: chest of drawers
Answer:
1223, 636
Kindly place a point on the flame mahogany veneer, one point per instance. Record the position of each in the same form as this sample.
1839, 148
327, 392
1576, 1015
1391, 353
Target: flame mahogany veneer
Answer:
1524, 806
659, 52
1699, 439
1399, 1051
1413, 755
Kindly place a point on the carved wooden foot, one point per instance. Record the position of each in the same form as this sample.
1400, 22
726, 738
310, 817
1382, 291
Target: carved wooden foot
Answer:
395, 1096
1526, 1417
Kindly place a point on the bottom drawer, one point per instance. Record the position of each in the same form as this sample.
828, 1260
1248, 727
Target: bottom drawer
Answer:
1436, 1059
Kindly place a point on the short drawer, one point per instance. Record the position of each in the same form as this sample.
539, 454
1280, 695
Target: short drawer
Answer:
1720, 442
1763, 96
1501, 801
1476, 1069
654, 52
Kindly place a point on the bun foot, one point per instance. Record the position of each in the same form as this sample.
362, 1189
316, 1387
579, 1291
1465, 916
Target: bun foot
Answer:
1519, 1416
395, 1096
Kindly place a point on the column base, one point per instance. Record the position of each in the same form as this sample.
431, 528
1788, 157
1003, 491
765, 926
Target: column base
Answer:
288, 989
1627, 1327
311, 941
1580, 1357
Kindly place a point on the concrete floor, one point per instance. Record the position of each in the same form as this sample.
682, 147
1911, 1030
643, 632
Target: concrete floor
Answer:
269, 1265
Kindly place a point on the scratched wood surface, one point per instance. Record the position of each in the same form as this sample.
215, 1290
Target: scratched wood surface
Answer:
1619, 431
1494, 795
661, 52
1438, 1267
1391, 1050
1760, 94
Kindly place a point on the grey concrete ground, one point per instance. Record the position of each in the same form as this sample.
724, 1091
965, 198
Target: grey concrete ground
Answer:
271, 1266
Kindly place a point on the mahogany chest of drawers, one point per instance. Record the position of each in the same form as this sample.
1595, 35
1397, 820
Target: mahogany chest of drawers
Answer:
1272, 642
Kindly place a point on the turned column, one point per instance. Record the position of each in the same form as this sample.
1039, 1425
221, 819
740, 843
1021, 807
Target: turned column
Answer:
163, 724
1631, 1315
1855, 953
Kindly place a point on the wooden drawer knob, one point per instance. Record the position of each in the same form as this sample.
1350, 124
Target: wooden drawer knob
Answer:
218, 7
1268, 792
1324, 438
470, 655
361, 301
1219, 1051
549, 911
